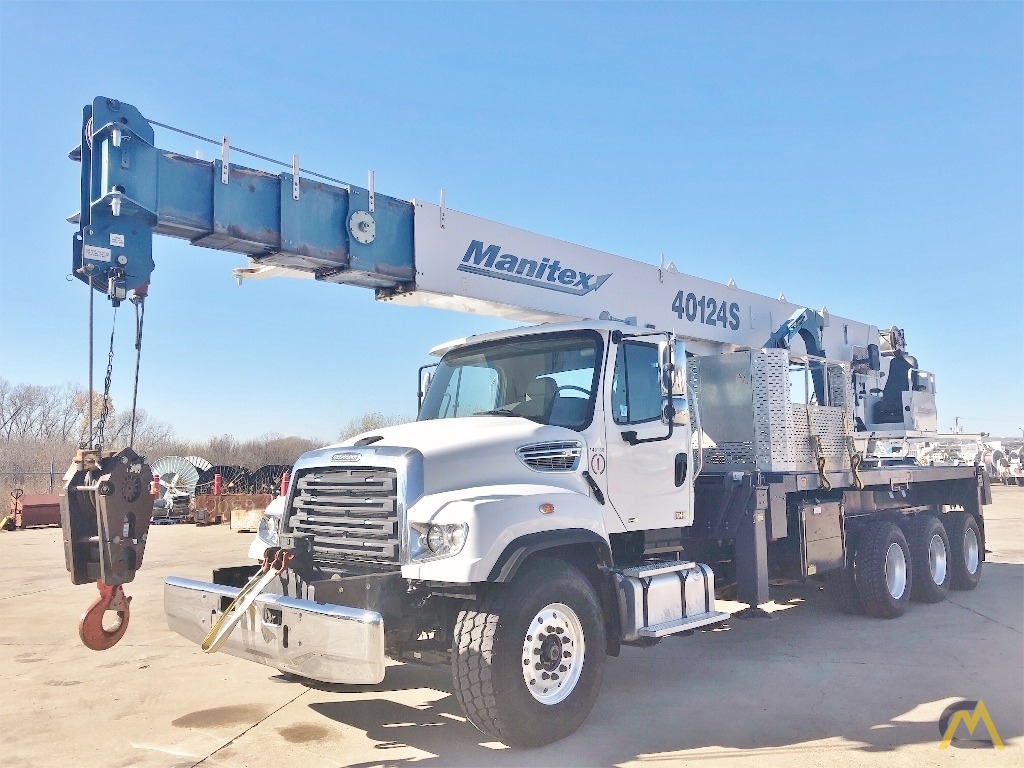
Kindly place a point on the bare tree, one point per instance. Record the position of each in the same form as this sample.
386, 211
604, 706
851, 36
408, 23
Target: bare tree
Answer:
370, 421
44, 424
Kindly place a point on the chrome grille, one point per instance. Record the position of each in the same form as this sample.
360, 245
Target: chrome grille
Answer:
351, 512
551, 457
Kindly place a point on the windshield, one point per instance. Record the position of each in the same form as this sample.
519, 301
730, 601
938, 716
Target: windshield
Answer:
549, 378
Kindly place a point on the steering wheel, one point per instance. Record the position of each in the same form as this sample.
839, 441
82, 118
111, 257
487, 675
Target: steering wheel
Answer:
573, 386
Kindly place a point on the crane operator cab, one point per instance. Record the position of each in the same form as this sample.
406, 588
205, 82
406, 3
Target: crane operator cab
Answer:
892, 393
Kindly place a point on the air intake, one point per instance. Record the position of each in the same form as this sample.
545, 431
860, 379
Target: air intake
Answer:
551, 457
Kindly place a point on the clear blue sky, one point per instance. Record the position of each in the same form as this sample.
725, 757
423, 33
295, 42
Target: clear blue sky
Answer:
863, 156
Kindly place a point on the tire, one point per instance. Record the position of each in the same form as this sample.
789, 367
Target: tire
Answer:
929, 556
495, 644
883, 571
965, 550
842, 589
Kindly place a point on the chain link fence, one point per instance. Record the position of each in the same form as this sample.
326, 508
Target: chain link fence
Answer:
35, 480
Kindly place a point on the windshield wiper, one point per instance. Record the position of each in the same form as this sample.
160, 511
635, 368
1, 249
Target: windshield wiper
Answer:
496, 412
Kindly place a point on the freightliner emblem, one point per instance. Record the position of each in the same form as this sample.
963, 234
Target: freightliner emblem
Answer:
551, 275
345, 457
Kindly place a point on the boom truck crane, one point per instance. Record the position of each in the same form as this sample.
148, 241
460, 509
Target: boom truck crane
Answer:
585, 482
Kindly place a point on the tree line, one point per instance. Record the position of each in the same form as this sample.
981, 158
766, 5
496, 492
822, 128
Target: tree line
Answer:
42, 423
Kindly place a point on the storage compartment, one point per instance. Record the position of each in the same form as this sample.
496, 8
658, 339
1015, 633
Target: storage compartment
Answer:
821, 537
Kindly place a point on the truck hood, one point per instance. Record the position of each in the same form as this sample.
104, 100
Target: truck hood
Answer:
476, 451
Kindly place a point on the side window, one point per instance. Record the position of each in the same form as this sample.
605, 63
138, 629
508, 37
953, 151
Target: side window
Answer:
636, 391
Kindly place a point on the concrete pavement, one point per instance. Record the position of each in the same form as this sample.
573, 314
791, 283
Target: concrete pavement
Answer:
806, 687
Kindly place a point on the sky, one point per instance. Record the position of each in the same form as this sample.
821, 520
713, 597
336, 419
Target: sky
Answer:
868, 157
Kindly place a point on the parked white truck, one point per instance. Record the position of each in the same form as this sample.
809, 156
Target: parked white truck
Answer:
569, 487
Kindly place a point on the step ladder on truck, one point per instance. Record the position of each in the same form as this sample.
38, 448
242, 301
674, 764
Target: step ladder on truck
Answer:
587, 481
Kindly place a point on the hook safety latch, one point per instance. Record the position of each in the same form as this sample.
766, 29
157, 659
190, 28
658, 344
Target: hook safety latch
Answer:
94, 635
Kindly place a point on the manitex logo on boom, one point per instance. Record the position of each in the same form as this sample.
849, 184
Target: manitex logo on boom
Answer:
491, 262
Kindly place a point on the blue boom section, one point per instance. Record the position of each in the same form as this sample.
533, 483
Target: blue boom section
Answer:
131, 189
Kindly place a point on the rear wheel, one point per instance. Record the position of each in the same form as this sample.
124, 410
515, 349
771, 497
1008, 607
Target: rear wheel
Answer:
929, 554
882, 570
528, 659
964, 550
841, 587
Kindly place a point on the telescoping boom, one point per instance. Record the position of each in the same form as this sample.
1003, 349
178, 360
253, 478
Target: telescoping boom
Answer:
410, 252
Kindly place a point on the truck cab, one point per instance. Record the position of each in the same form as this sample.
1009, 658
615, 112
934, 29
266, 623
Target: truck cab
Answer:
543, 453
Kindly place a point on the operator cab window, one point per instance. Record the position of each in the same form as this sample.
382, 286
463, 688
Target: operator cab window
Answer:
636, 390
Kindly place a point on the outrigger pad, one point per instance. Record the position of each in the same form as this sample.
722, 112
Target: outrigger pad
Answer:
105, 512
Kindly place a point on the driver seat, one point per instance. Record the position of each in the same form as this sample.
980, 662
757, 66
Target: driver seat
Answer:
540, 396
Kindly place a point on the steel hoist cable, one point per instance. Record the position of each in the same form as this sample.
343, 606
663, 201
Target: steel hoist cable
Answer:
91, 355
139, 300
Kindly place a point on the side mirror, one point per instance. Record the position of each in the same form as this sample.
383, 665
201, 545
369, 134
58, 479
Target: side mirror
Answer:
672, 354
425, 376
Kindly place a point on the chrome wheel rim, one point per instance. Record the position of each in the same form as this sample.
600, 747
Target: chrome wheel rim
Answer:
553, 653
937, 560
895, 571
971, 558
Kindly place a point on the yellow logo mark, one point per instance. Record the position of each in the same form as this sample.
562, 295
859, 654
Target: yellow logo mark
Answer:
962, 713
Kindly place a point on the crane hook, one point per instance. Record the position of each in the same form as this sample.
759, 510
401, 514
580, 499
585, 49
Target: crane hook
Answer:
91, 629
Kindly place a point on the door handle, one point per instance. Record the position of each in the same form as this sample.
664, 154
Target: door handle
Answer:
682, 463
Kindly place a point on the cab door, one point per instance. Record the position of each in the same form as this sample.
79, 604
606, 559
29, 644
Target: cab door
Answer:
649, 472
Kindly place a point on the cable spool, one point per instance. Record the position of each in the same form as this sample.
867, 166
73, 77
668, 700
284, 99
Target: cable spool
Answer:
198, 462
234, 479
267, 479
178, 477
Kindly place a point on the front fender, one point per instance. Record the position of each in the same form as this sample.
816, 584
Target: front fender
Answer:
496, 517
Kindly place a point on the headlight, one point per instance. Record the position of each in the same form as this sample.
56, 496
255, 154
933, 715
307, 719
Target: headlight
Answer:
269, 529
436, 541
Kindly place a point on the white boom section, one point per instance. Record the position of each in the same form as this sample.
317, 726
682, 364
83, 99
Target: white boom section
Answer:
469, 264
472, 265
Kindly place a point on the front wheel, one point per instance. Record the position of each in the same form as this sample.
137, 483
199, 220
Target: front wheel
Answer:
528, 658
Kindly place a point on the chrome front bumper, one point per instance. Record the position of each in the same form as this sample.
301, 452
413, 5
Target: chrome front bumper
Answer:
329, 643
